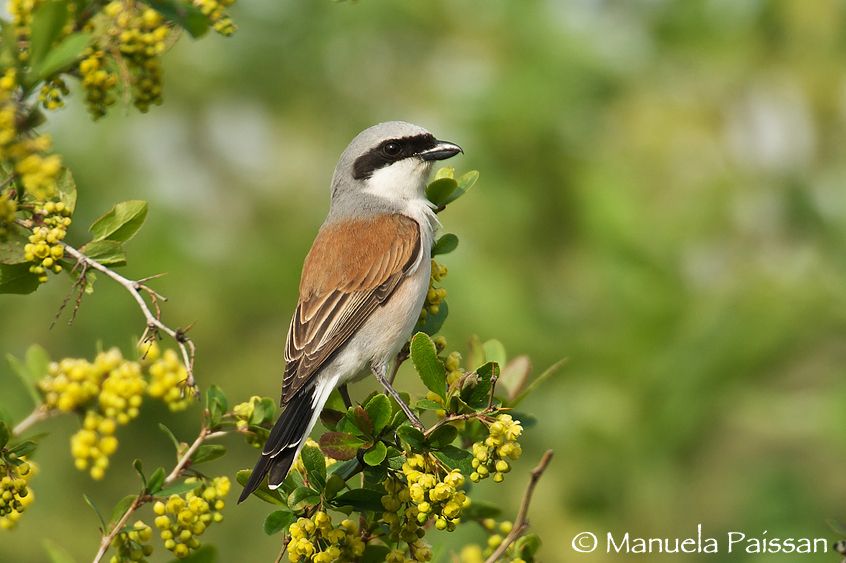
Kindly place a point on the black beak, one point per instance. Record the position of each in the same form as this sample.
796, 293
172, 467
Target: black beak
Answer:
441, 151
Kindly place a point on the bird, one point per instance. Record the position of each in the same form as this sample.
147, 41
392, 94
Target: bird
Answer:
363, 283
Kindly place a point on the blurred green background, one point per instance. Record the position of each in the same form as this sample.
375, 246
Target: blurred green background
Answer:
661, 201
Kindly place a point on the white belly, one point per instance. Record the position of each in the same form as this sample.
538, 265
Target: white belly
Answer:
383, 334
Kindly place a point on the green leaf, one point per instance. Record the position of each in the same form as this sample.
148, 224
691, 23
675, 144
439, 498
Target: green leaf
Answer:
176, 489
17, 279
184, 14
154, 484
527, 546
443, 436
379, 410
216, 404
360, 500
5, 434
93, 506
360, 420
375, 553
262, 493
303, 497
340, 445
315, 466
205, 554
494, 351
479, 510
62, 56
428, 366
445, 244
208, 452
27, 378
330, 418
23, 448
334, 485
264, 411
136, 464
466, 182
411, 436
47, 23
170, 435
455, 458
433, 323
438, 191
428, 405
478, 395
12, 248
277, 521
106, 252
121, 222
376, 455
56, 553
67, 189
121, 507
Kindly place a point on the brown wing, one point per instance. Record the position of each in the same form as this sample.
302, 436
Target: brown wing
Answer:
351, 269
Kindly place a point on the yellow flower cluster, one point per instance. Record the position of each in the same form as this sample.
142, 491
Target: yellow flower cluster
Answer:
118, 386
401, 514
435, 495
92, 445
15, 494
491, 456
316, 540
244, 411
98, 82
435, 295
72, 382
36, 170
167, 378
215, 10
52, 94
8, 208
133, 544
45, 248
181, 520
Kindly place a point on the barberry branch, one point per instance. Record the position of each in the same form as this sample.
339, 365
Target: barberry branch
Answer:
144, 497
154, 323
522, 521
41, 412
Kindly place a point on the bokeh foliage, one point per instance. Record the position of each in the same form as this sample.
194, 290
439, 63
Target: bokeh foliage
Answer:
662, 203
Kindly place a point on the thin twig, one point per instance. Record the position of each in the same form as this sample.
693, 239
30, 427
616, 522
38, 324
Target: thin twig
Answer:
282, 551
143, 497
154, 324
402, 356
467, 416
522, 521
40, 413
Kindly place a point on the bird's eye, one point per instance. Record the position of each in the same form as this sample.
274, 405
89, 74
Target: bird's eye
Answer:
392, 149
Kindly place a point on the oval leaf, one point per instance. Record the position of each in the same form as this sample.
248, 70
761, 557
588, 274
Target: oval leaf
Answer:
121, 222
340, 445
424, 356
379, 410
376, 455
277, 521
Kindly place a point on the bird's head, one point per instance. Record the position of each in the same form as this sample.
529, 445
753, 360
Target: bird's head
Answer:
391, 161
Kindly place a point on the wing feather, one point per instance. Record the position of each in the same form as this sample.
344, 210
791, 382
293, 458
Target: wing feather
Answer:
352, 269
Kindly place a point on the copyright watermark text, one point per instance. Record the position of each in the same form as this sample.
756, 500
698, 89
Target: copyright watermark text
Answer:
730, 542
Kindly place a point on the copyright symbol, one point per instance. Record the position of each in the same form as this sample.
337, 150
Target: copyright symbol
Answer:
584, 542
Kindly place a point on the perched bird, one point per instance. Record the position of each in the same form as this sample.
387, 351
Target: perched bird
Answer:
363, 283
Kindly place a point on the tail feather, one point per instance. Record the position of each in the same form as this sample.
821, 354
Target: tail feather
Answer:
288, 436
284, 442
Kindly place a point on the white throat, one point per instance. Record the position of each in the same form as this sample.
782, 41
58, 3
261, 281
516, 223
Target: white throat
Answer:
404, 182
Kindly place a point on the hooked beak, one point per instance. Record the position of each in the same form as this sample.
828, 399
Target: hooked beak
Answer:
441, 151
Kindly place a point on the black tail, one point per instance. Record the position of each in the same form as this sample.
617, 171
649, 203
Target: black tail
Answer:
282, 446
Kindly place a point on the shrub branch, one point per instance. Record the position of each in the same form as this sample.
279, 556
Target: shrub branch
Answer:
522, 521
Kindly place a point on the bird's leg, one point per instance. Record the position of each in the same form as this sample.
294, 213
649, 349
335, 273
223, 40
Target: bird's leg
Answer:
345, 395
379, 370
